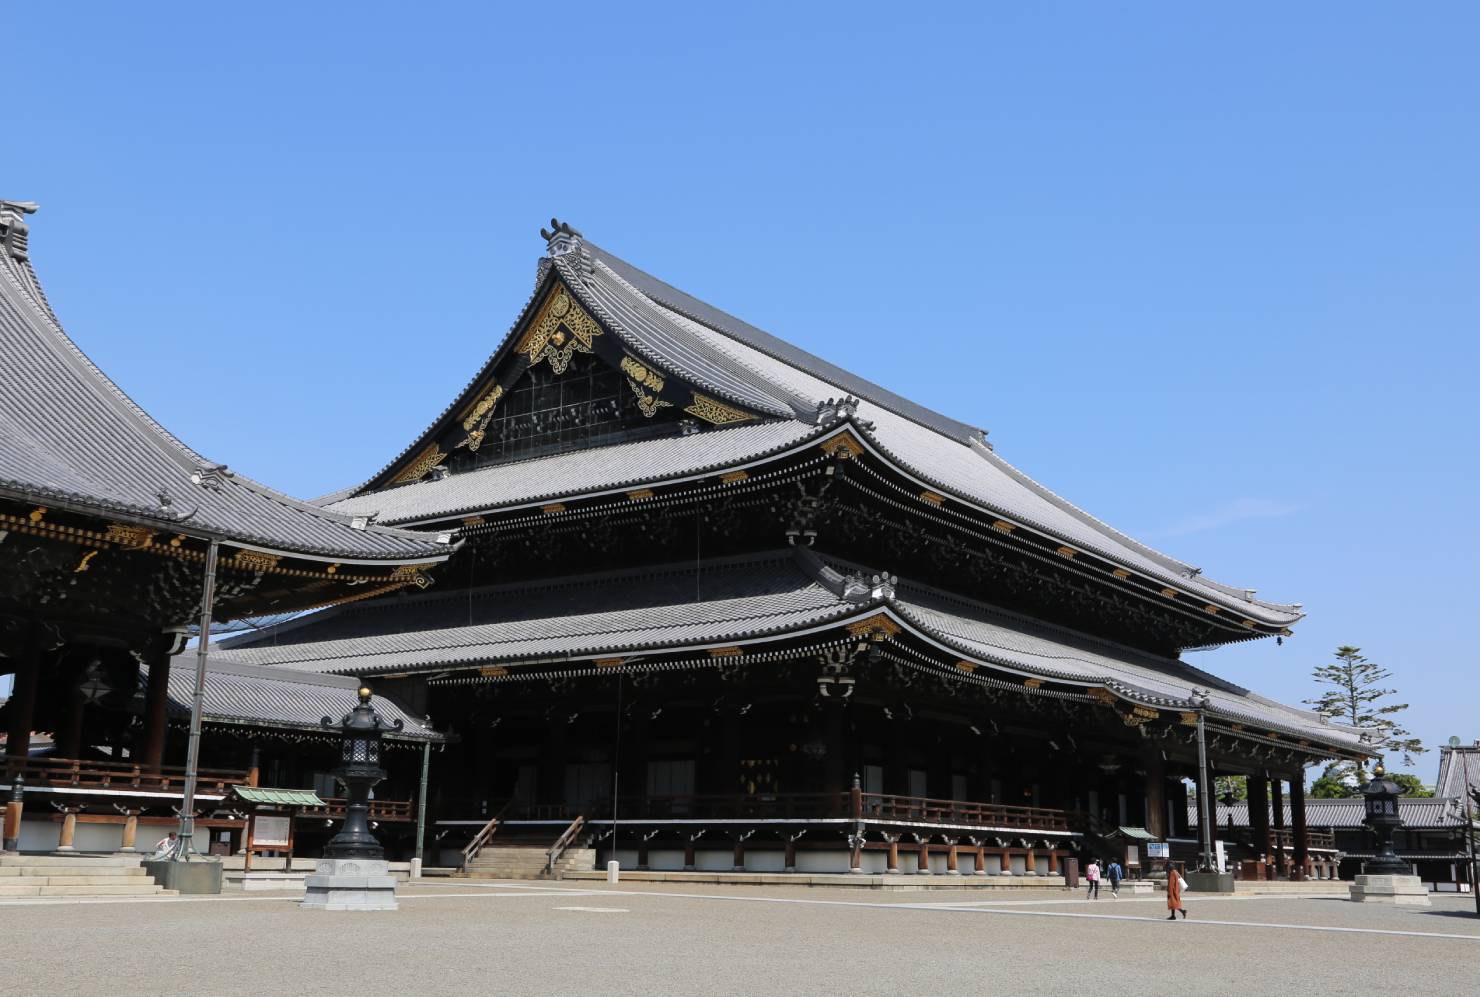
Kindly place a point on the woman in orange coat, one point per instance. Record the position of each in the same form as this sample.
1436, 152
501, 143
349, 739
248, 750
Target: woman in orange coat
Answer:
1174, 893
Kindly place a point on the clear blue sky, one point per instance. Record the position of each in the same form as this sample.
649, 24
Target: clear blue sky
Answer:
1214, 277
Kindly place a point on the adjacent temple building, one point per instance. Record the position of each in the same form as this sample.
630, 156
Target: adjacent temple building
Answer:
711, 602
722, 604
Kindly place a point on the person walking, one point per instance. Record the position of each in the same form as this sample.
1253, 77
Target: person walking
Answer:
1115, 874
1092, 878
1175, 885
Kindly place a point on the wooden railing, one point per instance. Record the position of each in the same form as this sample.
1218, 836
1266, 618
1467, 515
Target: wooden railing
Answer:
387, 810
729, 805
1284, 837
481, 839
561, 844
73, 772
920, 809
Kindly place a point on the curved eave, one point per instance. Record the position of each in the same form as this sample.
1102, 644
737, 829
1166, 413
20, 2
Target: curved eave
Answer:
1275, 618
419, 551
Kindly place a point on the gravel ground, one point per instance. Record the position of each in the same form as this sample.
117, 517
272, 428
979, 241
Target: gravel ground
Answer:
659, 939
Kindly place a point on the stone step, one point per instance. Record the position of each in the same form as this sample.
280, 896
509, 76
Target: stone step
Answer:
80, 861
75, 880
63, 869
26, 889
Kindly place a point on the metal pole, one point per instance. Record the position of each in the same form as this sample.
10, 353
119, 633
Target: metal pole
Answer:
1470, 833
184, 846
421, 800
1203, 794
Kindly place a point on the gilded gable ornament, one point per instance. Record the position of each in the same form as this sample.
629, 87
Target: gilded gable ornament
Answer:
714, 412
647, 404
476, 422
561, 330
419, 468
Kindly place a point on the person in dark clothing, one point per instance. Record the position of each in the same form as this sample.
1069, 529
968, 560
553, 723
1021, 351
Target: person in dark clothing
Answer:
1115, 874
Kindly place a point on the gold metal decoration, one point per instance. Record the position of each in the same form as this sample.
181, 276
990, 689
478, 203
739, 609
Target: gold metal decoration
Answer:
493, 671
552, 508
1003, 526
609, 662
844, 446
726, 652
1170, 593
36, 514
1121, 573
718, 413
129, 536
876, 628
411, 573
1103, 695
1249, 624
642, 374
254, 560
560, 330
730, 477
1139, 716
421, 466
932, 498
1068, 551
478, 418
1210, 608
639, 494
966, 666
471, 521
647, 404
1032, 683
82, 564
1189, 719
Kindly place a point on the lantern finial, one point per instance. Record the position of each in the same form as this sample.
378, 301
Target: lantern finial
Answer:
364, 693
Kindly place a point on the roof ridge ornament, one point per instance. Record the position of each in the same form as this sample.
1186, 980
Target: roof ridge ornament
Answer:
13, 227
560, 238
835, 410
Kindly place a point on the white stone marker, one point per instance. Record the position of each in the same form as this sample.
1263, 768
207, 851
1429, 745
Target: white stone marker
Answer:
1406, 890
350, 884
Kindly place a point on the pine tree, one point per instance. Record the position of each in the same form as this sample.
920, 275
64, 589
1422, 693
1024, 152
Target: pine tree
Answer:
1355, 702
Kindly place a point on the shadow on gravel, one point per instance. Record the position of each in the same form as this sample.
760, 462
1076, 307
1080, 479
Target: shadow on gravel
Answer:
1468, 914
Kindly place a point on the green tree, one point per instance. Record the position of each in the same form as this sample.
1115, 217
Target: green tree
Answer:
1336, 783
1236, 786
1411, 785
1356, 700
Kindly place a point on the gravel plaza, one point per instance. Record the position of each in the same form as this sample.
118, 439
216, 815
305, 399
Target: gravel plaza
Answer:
528, 938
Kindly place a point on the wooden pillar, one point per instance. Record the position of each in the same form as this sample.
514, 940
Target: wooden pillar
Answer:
15, 807
130, 830
1053, 863
1029, 867
1156, 796
739, 860
69, 730
69, 830
23, 702
922, 858
1297, 818
1277, 804
981, 860
1006, 859
156, 701
892, 862
1259, 815
951, 866
254, 771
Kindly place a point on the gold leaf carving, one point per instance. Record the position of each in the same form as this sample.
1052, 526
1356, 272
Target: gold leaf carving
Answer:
560, 330
642, 374
876, 628
419, 468
718, 413
130, 536
842, 447
255, 560
647, 404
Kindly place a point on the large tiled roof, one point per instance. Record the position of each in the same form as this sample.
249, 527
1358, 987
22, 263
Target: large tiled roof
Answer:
1417, 812
254, 696
696, 342
610, 613
749, 600
623, 465
70, 437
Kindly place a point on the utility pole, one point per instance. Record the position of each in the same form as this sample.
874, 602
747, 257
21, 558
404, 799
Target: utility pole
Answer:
1204, 794
184, 845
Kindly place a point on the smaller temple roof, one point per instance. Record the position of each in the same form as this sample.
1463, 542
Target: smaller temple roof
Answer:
1459, 770
1417, 812
71, 437
277, 797
253, 696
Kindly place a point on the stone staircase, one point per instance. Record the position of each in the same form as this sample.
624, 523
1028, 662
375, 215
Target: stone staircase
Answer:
58, 875
525, 862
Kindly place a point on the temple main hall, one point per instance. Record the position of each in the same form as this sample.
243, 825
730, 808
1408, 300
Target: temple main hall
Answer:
720, 604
